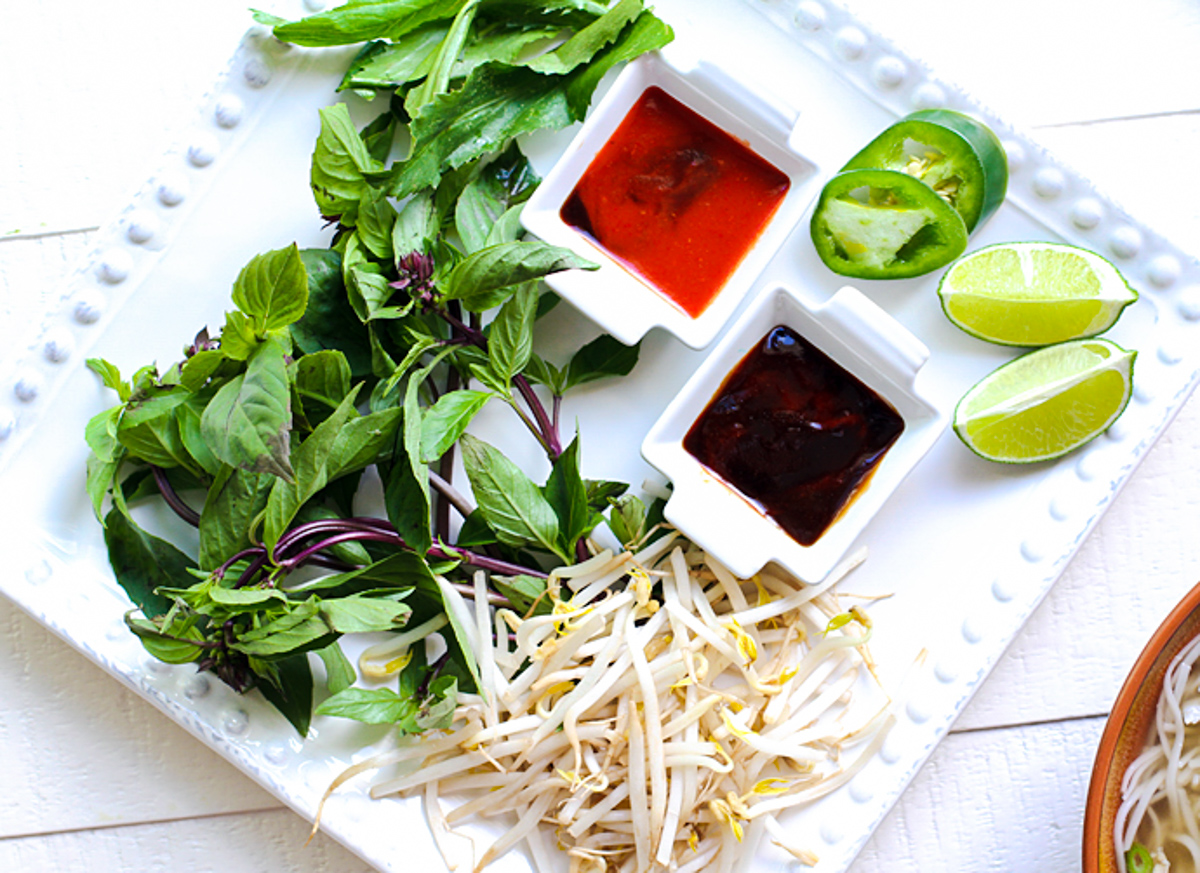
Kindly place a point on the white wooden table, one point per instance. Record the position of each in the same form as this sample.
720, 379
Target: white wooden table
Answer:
92, 777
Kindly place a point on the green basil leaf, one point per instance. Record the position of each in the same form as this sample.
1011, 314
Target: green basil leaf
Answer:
156, 441
601, 358
541, 371
239, 599
101, 434
142, 563
376, 219
567, 494
110, 375
101, 476
600, 491
510, 339
289, 688
524, 592
273, 288
340, 165
379, 136
291, 630
485, 279
363, 615
403, 570
368, 705
239, 336
445, 421
247, 422
512, 505
416, 226
366, 286
188, 417
437, 710
339, 672
235, 499
364, 440
201, 367
322, 378
165, 649
503, 184
330, 322
628, 519
406, 491
310, 461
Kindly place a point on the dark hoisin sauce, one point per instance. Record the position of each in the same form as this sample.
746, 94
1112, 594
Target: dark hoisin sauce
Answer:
795, 433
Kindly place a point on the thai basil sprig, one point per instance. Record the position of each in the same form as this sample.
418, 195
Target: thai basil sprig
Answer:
375, 354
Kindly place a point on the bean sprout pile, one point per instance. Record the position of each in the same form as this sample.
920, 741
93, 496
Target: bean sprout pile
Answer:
659, 717
1161, 789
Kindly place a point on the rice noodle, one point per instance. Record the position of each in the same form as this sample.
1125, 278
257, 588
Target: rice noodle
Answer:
650, 734
1160, 791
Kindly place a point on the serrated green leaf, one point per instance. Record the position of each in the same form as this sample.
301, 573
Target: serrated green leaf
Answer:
437, 81
583, 45
365, 19
510, 340
388, 65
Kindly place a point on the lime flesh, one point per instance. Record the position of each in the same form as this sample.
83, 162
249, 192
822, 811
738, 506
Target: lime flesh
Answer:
1033, 294
1046, 403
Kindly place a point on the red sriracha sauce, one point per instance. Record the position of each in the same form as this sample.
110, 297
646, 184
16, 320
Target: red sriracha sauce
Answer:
675, 199
794, 433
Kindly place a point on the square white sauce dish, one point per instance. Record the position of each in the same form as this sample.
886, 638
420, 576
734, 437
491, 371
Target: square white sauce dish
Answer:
794, 431
681, 185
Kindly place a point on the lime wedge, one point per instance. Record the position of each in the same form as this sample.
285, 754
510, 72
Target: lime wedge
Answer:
1046, 403
1033, 293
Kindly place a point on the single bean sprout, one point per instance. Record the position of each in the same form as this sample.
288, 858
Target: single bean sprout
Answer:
657, 721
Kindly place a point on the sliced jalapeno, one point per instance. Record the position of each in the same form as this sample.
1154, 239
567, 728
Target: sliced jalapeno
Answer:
955, 155
885, 224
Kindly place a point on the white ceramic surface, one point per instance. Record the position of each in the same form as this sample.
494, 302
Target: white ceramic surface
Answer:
617, 299
985, 586
866, 342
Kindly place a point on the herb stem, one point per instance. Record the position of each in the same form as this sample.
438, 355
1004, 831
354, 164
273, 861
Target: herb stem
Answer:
450, 496
548, 430
541, 426
172, 498
445, 472
372, 530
